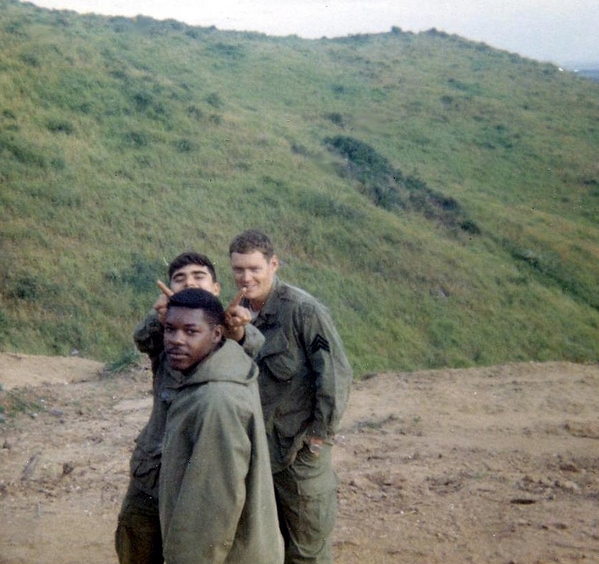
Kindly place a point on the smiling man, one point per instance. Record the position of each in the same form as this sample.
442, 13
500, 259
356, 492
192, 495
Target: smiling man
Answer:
216, 496
304, 383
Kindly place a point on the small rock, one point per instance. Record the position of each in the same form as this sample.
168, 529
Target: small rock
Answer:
569, 467
567, 485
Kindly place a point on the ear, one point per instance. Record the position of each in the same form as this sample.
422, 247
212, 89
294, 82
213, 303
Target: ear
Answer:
274, 263
216, 289
217, 334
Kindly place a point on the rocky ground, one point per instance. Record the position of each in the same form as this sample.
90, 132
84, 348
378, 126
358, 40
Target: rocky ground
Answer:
490, 465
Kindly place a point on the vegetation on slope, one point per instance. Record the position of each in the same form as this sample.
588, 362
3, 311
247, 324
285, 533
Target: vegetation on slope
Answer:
440, 196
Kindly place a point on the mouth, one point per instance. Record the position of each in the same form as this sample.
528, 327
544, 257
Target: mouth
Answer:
176, 356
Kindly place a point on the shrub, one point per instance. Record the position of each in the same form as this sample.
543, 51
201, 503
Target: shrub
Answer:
231, 52
183, 145
31, 59
60, 126
22, 152
140, 274
195, 112
215, 100
129, 359
389, 189
136, 139
337, 119
31, 288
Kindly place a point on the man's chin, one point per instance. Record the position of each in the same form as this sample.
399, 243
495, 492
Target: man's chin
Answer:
179, 363
253, 294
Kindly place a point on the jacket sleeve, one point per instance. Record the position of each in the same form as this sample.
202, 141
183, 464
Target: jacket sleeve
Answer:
331, 372
211, 497
148, 335
253, 340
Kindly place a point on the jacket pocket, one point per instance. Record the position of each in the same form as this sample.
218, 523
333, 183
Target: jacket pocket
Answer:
277, 357
146, 470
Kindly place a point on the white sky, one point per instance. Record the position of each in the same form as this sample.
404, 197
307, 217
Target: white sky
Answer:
560, 31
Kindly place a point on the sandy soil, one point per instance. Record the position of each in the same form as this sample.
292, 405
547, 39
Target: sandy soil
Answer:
493, 465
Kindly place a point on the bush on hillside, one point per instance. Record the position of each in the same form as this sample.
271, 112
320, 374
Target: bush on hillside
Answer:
388, 188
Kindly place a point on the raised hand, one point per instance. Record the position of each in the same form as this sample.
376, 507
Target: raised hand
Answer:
236, 317
162, 300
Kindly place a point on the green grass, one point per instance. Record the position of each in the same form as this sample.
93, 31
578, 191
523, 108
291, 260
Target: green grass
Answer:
440, 196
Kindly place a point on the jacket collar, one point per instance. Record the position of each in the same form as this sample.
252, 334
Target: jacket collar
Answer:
227, 364
270, 307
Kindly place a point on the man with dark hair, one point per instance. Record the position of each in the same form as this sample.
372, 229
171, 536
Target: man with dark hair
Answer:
217, 501
304, 383
138, 538
191, 258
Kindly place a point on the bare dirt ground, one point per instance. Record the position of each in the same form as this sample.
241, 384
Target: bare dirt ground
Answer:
491, 465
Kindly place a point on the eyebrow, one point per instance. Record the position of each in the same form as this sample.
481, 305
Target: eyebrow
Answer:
186, 326
200, 269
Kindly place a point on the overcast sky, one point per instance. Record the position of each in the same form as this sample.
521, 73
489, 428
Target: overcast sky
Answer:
560, 31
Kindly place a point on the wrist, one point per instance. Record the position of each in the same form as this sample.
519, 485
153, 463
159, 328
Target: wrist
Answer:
314, 447
235, 333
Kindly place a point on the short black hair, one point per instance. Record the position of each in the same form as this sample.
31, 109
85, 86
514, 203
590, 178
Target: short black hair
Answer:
250, 241
191, 257
196, 298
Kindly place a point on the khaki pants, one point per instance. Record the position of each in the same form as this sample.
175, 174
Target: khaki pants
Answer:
306, 495
137, 538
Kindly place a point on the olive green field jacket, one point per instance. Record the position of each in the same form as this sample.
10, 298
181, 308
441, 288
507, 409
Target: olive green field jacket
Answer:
145, 459
216, 497
305, 375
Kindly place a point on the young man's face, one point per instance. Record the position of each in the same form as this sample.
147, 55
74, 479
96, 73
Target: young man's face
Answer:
188, 337
194, 276
255, 273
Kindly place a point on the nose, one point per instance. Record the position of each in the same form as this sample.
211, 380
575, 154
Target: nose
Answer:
173, 337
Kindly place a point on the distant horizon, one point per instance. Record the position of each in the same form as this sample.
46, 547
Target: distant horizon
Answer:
544, 30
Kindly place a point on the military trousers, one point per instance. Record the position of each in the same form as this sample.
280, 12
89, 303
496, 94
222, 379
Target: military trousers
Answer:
306, 494
138, 539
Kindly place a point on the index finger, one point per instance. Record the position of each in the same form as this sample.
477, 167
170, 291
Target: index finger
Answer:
237, 299
164, 288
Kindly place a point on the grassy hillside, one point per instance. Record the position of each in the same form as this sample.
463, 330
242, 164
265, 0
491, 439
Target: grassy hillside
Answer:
440, 196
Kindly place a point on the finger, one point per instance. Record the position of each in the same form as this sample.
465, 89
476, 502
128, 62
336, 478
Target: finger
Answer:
164, 288
237, 299
161, 302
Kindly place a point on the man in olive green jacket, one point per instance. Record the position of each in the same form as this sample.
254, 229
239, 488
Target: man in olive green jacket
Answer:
304, 382
216, 497
138, 539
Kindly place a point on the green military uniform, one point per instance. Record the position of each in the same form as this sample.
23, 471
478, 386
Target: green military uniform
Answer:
138, 538
217, 502
304, 381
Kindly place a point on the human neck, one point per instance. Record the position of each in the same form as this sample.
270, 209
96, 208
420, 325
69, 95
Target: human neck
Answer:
257, 305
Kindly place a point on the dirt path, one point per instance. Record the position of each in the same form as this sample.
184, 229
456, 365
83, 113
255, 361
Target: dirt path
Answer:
494, 465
